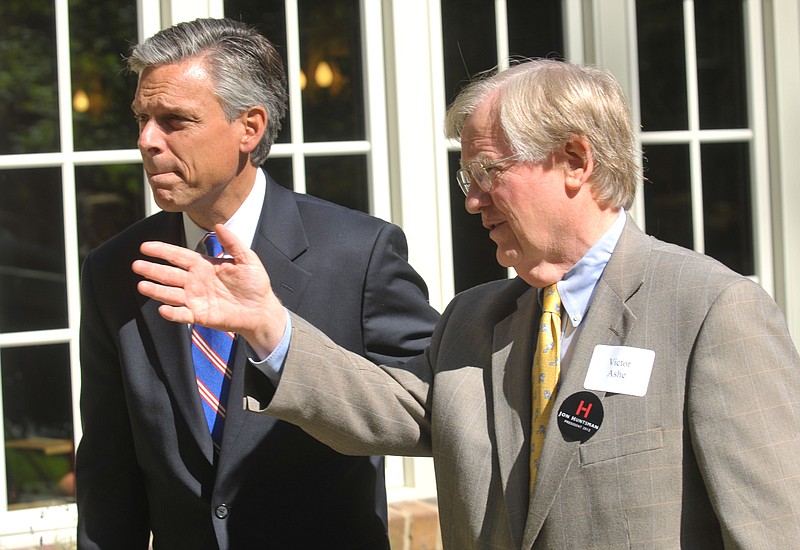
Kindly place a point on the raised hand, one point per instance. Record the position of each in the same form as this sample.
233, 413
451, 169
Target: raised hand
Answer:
232, 294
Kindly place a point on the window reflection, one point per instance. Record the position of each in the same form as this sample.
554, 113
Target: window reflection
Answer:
342, 180
101, 33
37, 419
109, 199
332, 79
32, 266
28, 81
269, 17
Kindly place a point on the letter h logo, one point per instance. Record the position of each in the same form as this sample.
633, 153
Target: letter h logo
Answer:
583, 409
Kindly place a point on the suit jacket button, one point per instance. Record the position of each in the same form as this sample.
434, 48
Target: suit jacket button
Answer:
221, 512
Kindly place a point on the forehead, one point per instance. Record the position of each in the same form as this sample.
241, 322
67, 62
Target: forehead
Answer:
183, 84
482, 134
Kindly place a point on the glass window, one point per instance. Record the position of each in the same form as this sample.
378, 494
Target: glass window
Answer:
668, 194
721, 67
332, 91
470, 45
727, 211
33, 292
662, 65
28, 80
101, 33
269, 17
37, 420
330, 57
339, 179
473, 250
546, 19
469, 30
280, 169
109, 199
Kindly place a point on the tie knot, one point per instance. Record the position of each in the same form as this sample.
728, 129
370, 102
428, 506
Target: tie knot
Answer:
213, 248
551, 301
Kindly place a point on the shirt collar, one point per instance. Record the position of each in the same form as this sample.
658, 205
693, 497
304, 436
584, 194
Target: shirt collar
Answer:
244, 221
577, 287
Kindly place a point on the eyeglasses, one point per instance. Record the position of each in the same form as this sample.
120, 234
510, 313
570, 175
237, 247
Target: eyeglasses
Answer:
479, 173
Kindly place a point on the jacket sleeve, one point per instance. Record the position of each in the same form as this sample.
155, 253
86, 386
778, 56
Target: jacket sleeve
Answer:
396, 316
743, 402
112, 506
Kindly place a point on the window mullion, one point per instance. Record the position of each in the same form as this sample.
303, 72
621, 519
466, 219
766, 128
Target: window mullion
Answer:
695, 168
295, 93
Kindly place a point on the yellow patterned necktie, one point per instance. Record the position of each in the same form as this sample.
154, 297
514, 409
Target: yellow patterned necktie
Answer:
546, 369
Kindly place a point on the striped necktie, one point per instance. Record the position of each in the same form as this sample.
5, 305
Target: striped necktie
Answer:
212, 351
546, 370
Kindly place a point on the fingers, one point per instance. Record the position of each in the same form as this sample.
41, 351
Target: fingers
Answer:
231, 243
164, 274
171, 296
176, 255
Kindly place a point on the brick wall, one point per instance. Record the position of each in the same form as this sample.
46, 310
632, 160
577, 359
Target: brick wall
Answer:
414, 525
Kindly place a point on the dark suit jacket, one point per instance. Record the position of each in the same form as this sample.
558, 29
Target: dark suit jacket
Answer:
145, 460
708, 458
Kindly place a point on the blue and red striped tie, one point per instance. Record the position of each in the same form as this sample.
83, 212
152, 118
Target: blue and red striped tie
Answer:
211, 351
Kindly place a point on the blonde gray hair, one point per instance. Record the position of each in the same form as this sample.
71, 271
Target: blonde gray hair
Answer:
543, 104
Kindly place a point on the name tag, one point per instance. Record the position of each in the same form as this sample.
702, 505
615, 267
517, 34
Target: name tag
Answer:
620, 369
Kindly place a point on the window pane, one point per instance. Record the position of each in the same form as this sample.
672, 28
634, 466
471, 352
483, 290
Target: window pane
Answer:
469, 41
721, 66
280, 169
330, 57
662, 65
110, 198
28, 83
269, 17
100, 34
546, 17
726, 205
474, 253
667, 194
37, 416
535, 29
342, 180
32, 266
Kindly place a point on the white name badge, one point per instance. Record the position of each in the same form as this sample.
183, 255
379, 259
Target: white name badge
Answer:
620, 369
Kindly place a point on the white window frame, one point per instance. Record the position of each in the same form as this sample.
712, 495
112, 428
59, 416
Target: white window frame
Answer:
614, 45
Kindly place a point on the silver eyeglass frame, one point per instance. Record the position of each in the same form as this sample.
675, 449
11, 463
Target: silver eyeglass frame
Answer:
477, 172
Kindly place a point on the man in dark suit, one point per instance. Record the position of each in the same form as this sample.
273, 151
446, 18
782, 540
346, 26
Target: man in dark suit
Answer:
655, 407
209, 102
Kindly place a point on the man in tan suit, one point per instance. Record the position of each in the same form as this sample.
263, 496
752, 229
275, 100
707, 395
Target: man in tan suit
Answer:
674, 422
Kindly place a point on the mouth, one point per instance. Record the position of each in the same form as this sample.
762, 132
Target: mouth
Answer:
492, 226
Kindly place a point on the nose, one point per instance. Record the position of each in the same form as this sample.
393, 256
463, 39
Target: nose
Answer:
150, 138
476, 199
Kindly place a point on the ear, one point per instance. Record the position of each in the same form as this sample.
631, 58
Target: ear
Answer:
580, 162
255, 122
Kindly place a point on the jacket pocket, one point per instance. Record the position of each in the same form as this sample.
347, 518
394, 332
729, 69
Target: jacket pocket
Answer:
624, 445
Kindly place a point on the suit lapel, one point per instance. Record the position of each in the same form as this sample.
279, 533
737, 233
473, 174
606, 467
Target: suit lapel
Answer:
511, 382
279, 240
608, 321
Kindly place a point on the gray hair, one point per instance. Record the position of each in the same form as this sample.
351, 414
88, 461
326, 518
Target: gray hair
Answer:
544, 103
245, 67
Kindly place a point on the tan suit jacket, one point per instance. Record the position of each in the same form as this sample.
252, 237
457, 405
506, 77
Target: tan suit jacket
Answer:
708, 458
